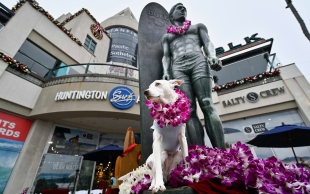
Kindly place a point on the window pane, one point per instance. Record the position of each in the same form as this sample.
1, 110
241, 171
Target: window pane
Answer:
235, 131
39, 70
92, 47
88, 38
24, 60
31, 50
241, 69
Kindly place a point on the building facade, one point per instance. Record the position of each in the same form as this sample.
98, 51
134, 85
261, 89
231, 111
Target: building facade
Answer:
71, 85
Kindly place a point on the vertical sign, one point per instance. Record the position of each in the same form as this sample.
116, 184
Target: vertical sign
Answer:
13, 133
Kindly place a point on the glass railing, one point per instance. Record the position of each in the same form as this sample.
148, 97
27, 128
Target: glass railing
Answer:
94, 68
273, 62
45, 76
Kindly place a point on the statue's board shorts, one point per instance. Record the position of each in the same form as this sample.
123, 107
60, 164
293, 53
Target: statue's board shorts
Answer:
191, 67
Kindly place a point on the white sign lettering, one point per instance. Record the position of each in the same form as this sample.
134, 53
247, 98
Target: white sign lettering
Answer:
118, 97
79, 95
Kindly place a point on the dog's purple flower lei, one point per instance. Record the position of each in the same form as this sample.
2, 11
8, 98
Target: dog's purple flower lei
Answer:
170, 114
179, 29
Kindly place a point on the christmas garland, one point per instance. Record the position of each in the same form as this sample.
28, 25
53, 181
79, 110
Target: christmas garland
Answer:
92, 17
51, 18
14, 64
252, 79
97, 30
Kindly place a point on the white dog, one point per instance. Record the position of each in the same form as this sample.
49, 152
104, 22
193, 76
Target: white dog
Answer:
168, 140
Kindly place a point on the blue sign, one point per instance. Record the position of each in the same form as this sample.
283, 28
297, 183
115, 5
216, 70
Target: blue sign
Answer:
122, 97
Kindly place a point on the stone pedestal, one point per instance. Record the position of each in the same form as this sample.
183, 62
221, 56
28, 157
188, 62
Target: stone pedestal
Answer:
180, 190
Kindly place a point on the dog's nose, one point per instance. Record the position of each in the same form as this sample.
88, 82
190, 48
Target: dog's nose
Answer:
146, 92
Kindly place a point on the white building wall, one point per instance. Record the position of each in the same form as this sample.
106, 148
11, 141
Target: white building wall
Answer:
19, 91
28, 19
81, 29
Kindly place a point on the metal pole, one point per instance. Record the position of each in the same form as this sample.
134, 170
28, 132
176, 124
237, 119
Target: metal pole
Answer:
75, 180
289, 138
92, 178
294, 155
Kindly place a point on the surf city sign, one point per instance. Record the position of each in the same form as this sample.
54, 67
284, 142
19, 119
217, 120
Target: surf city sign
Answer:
120, 97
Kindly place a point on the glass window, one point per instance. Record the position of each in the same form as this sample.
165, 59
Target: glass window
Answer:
123, 37
38, 61
90, 44
241, 69
64, 150
242, 130
56, 172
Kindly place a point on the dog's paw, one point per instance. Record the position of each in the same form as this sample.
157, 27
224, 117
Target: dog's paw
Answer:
159, 187
152, 185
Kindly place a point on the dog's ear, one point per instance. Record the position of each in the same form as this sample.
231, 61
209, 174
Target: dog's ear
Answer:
176, 82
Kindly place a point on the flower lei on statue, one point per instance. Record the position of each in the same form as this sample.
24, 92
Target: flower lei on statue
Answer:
179, 29
236, 167
136, 181
170, 114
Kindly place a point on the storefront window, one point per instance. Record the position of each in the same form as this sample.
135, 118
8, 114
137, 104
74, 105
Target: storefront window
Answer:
72, 141
55, 172
245, 129
66, 146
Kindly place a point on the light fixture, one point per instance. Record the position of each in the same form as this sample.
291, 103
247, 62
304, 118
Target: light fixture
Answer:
269, 119
50, 142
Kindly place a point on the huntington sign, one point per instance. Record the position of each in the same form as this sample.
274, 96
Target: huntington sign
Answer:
121, 97
79, 95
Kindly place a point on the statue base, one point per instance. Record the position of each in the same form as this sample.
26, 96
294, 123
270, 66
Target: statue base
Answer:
170, 190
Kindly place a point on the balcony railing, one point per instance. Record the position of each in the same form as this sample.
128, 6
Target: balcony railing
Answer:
91, 72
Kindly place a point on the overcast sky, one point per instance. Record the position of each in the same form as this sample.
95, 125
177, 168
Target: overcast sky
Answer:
227, 21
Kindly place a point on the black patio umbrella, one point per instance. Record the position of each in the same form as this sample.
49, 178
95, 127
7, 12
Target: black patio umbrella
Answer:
104, 154
283, 136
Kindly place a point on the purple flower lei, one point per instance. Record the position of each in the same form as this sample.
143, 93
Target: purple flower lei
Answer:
179, 29
237, 166
170, 114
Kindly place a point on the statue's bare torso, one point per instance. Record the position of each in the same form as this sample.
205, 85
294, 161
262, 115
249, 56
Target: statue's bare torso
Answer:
183, 44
